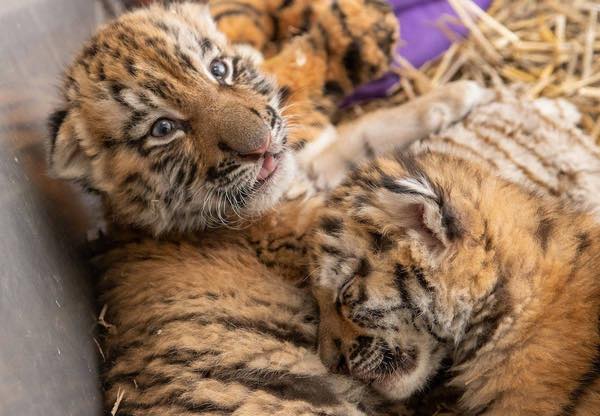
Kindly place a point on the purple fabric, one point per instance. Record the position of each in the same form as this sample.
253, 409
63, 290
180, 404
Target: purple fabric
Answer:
421, 40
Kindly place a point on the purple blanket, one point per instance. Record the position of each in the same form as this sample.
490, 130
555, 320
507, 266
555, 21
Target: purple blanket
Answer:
421, 40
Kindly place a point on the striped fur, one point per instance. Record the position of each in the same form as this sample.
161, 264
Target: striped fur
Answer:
191, 310
200, 327
155, 63
202, 324
266, 25
431, 256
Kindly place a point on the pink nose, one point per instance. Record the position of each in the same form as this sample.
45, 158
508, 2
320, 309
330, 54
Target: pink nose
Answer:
259, 151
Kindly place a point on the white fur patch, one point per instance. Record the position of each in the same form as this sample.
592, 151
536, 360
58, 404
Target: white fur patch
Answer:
313, 149
161, 141
418, 185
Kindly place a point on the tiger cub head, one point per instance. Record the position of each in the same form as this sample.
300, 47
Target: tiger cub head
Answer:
401, 264
175, 128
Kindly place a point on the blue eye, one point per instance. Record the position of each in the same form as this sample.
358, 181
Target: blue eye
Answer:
219, 69
162, 127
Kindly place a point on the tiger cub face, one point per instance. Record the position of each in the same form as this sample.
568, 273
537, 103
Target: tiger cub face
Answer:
174, 127
397, 268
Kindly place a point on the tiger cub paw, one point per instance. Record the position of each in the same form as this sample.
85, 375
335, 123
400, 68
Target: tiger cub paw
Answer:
452, 102
322, 160
329, 170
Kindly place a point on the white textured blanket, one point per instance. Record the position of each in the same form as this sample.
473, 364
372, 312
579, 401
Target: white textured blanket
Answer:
536, 143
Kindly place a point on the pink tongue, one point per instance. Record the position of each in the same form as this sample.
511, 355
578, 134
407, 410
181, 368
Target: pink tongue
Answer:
269, 165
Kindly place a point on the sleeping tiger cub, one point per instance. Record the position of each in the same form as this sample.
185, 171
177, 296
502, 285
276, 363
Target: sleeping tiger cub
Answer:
424, 257
178, 130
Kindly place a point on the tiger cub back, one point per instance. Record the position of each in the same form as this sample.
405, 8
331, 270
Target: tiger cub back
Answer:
433, 256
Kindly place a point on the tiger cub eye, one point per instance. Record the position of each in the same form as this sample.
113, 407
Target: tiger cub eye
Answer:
219, 69
162, 127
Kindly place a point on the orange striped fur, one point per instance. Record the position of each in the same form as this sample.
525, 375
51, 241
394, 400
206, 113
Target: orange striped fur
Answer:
434, 256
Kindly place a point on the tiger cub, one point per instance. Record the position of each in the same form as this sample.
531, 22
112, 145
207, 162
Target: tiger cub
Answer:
429, 256
180, 132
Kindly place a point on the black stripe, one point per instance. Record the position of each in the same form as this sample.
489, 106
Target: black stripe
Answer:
331, 250
585, 382
325, 36
304, 25
175, 400
400, 277
185, 61
130, 66
364, 267
370, 151
381, 243
333, 88
386, 38
170, 30
206, 45
146, 101
583, 242
180, 356
420, 276
192, 174
156, 87
353, 62
361, 343
91, 50
332, 225
298, 145
263, 87
55, 121
115, 90
282, 384
484, 330
153, 42
337, 10
544, 232
163, 165
135, 118
284, 94
100, 71
285, 4
221, 172
282, 331
180, 177
391, 184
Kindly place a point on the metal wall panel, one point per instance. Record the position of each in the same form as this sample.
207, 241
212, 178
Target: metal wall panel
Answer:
48, 360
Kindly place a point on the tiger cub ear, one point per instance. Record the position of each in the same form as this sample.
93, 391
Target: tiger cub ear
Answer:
199, 10
416, 206
67, 159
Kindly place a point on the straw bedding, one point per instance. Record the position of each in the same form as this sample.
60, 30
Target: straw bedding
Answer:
549, 47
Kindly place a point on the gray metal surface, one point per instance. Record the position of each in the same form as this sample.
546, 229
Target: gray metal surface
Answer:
48, 359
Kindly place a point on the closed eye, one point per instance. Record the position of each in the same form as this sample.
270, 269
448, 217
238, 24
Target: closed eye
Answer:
344, 288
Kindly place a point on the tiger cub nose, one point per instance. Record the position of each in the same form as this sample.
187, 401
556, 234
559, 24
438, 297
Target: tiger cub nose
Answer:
340, 366
246, 136
261, 150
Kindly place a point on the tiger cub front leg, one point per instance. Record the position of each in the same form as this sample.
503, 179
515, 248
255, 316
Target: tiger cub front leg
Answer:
392, 128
